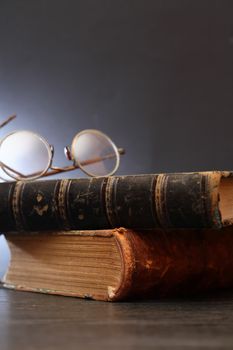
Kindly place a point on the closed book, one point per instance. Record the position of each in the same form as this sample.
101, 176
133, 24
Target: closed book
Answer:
121, 264
182, 200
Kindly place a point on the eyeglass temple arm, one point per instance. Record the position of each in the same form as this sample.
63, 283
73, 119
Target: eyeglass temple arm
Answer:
8, 120
3, 165
58, 170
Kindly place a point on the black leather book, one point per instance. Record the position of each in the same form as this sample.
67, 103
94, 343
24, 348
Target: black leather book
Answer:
181, 200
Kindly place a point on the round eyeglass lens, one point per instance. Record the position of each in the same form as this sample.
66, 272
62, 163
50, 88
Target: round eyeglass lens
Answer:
95, 153
24, 155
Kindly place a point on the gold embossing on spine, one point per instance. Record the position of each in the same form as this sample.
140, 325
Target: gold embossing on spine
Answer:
62, 203
108, 200
16, 205
212, 194
160, 200
154, 213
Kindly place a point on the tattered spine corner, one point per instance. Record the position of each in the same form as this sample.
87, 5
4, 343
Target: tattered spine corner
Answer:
225, 199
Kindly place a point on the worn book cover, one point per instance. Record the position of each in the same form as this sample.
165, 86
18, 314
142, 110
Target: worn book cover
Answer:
182, 200
121, 264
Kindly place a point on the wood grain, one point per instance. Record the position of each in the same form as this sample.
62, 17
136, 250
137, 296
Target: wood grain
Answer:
36, 321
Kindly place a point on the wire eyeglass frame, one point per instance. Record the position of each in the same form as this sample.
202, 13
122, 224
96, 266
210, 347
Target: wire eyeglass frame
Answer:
69, 152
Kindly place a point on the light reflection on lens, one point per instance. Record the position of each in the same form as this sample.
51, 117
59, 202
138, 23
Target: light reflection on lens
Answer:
28, 154
95, 153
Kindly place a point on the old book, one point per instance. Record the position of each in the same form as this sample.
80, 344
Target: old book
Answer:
184, 200
121, 264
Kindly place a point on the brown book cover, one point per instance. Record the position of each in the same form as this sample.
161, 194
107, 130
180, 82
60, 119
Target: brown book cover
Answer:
121, 264
182, 200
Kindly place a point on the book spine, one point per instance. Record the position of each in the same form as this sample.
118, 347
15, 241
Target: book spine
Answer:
170, 262
143, 201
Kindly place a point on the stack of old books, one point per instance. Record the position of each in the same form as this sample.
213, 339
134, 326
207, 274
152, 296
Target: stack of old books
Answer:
120, 237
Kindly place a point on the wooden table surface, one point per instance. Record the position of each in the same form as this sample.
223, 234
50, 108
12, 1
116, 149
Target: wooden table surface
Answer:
36, 321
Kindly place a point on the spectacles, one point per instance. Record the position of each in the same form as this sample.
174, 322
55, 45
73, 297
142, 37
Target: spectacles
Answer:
25, 155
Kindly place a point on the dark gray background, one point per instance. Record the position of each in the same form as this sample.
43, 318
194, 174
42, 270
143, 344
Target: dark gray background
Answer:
157, 76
